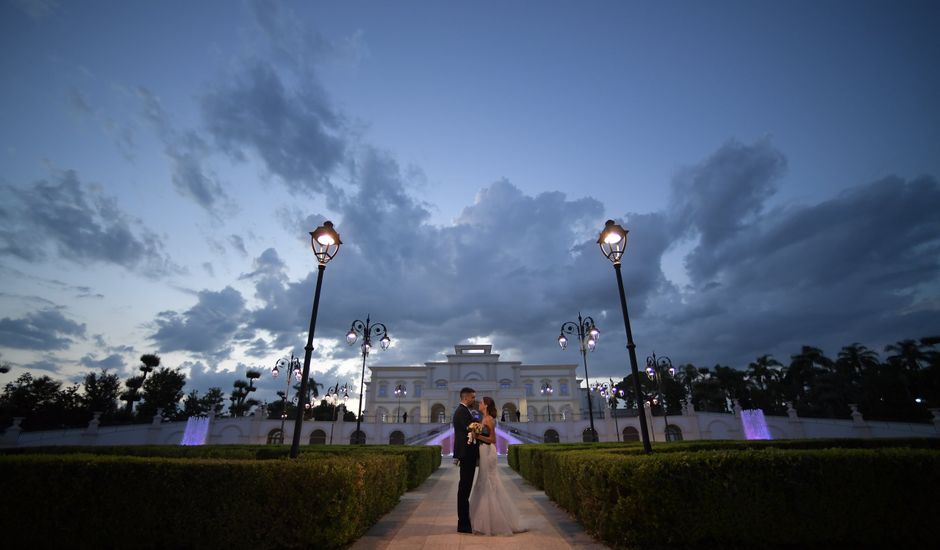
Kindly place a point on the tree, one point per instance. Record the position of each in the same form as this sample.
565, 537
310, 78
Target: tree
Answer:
213, 401
131, 393
163, 390
101, 393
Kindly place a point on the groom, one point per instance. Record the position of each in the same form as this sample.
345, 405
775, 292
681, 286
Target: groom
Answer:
467, 456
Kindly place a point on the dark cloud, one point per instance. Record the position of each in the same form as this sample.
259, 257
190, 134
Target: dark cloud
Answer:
722, 198
207, 328
187, 150
238, 243
43, 364
82, 225
267, 264
111, 362
43, 330
294, 131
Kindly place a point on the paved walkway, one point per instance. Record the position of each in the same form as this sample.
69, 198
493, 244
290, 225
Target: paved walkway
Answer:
426, 518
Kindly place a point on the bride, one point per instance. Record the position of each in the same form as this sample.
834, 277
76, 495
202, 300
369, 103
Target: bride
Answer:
491, 511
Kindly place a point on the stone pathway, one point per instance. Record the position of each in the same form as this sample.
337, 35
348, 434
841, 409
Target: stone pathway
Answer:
426, 518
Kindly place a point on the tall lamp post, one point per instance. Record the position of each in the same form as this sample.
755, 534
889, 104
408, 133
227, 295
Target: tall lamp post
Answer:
400, 392
656, 369
613, 242
587, 339
290, 365
325, 243
547, 390
368, 331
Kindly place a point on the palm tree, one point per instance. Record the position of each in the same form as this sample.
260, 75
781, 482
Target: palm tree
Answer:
908, 354
803, 369
763, 371
856, 359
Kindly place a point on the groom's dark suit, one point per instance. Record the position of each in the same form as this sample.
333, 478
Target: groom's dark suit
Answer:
468, 454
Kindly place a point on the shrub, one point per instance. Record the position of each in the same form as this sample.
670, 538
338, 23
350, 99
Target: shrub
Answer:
745, 497
116, 501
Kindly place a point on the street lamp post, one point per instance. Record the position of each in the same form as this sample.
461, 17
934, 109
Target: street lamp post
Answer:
368, 331
325, 243
291, 365
332, 398
547, 390
587, 340
614, 395
613, 242
656, 369
400, 392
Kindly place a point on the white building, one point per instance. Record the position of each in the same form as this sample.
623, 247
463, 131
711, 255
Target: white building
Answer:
523, 393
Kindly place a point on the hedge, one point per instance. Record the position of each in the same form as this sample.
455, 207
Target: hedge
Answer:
421, 460
742, 494
101, 501
750, 498
527, 460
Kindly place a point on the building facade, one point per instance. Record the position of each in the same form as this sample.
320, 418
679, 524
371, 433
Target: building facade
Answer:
523, 393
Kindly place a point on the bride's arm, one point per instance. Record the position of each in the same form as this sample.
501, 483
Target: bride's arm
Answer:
491, 424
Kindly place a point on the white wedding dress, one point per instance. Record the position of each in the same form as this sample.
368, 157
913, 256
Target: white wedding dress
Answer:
491, 511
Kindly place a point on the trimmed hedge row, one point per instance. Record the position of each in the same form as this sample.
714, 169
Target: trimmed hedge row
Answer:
770, 497
105, 501
421, 461
527, 460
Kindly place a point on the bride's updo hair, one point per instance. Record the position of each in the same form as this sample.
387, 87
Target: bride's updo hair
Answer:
490, 406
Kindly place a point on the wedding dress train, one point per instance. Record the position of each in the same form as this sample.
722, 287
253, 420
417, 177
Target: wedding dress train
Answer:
491, 511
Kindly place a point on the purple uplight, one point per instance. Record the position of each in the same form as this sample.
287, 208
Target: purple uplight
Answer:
197, 428
754, 424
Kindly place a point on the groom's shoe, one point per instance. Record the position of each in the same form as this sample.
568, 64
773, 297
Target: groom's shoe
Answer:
464, 530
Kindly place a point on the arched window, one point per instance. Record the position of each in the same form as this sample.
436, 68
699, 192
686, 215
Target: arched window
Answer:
563, 387
529, 388
673, 433
589, 435
276, 437
396, 438
505, 384
317, 437
383, 390
417, 387
631, 434
551, 436
438, 413
441, 384
358, 437
473, 376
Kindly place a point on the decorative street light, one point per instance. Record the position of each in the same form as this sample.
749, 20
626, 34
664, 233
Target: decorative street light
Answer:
400, 391
615, 394
587, 340
336, 396
547, 390
613, 242
368, 332
325, 243
656, 369
289, 365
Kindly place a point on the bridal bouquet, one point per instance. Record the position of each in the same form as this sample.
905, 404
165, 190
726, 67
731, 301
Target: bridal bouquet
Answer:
473, 428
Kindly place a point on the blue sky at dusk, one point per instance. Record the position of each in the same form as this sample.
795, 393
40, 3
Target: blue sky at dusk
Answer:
161, 164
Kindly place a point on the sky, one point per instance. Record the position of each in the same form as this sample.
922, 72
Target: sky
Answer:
161, 165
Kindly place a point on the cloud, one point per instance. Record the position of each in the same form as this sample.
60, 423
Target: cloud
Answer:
188, 152
111, 362
238, 243
294, 131
267, 264
81, 223
43, 330
207, 328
